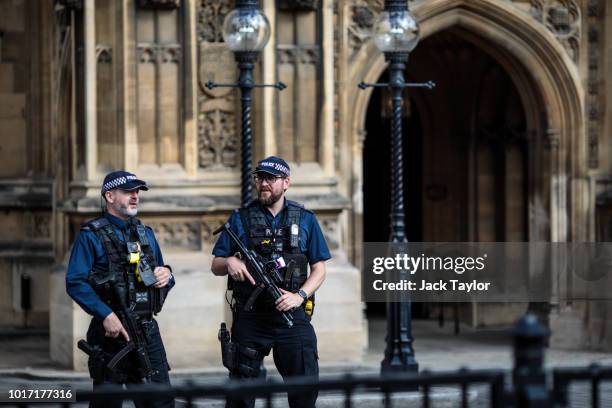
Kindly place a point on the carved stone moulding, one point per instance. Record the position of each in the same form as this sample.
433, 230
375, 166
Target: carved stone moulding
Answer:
298, 5
104, 53
159, 4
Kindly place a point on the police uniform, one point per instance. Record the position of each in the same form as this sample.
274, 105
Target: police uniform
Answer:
263, 329
91, 282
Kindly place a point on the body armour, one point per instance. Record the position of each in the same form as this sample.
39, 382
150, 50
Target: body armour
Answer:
128, 278
273, 244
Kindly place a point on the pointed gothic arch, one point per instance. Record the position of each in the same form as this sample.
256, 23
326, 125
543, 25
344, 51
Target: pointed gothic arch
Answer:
549, 85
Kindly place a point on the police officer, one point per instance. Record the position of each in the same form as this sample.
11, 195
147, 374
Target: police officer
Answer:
102, 278
284, 231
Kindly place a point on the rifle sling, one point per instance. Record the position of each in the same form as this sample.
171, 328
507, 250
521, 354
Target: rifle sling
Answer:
122, 353
249, 304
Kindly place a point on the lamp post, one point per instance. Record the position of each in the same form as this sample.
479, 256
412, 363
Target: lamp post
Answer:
396, 35
246, 31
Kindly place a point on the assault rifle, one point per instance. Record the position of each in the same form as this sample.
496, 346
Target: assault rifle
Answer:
266, 278
137, 342
104, 364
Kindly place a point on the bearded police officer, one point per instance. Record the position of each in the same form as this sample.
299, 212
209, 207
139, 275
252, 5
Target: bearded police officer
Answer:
117, 274
285, 232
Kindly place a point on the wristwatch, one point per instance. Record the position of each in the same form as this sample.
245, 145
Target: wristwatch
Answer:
303, 294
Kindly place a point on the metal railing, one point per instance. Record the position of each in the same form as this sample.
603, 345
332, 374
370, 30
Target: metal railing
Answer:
564, 377
348, 386
528, 385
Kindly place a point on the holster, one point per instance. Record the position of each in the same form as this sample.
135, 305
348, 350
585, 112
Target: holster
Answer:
97, 369
97, 364
244, 361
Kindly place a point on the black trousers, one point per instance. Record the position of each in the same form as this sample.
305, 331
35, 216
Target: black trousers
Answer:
294, 349
127, 371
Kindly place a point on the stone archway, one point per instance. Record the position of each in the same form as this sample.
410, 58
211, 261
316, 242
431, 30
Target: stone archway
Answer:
549, 86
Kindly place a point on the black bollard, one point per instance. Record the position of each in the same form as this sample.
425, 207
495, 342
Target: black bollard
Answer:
528, 376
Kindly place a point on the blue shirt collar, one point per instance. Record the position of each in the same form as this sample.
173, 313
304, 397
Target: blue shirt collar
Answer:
116, 221
267, 212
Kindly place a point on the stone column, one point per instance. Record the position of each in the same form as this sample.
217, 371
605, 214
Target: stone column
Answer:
89, 24
191, 89
68, 323
327, 114
268, 61
130, 128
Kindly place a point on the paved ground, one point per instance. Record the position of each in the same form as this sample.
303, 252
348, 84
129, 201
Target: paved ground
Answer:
24, 359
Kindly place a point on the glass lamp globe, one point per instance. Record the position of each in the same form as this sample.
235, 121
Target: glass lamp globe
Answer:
246, 30
396, 31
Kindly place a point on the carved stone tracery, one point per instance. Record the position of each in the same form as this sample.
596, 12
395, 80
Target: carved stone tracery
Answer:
562, 18
177, 234
218, 145
338, 36
595, 101
209, 225
37, 225
363, 17
303, 54
171, 53
210, 19
166, 53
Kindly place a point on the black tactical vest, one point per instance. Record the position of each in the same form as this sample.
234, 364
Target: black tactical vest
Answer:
119, 283
282, 242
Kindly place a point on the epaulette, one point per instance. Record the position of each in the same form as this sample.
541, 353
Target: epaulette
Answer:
299, 205
138, 221
150, 229
94, 225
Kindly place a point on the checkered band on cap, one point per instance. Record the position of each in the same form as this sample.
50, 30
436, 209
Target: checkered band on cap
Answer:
116, 182
276, 166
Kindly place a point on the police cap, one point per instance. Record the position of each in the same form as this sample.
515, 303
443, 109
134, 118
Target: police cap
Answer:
123, 180
273, 165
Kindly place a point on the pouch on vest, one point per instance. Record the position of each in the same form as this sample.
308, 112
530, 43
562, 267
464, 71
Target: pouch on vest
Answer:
296, 272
